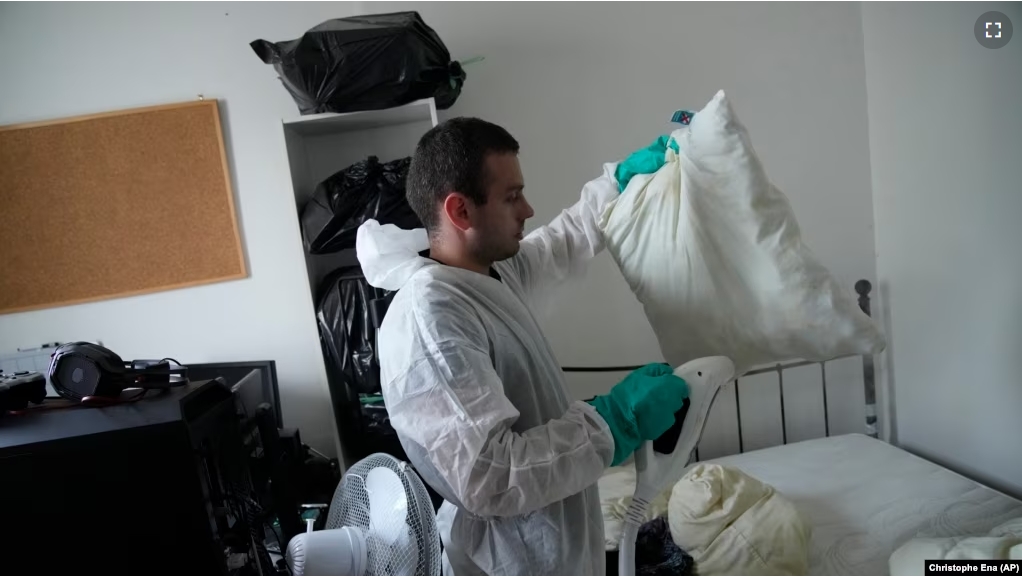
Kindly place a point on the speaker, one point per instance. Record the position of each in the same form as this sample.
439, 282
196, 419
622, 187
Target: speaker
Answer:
80, 370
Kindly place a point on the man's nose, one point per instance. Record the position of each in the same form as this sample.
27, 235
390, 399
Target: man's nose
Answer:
528, 210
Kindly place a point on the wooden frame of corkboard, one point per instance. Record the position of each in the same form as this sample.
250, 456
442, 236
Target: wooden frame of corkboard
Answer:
115, 204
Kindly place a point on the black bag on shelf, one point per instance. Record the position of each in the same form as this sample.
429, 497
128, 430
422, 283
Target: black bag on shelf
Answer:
348, 311
365, 63
341, 203
347, 331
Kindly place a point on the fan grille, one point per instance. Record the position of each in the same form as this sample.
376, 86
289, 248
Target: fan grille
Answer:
398, 544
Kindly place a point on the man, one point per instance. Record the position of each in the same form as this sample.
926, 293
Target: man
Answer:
472, 386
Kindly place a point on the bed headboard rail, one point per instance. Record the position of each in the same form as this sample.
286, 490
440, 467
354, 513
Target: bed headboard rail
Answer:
863, 287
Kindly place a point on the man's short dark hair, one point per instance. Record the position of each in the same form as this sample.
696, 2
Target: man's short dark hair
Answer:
449, 158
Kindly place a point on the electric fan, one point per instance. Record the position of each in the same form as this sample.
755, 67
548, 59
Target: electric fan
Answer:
381, 522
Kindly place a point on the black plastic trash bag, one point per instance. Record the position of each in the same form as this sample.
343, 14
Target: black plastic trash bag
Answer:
341, 203
656, 553
365, 63
375, 417
347, 332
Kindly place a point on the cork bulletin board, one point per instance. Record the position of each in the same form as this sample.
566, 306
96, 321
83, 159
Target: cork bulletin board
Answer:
115, 204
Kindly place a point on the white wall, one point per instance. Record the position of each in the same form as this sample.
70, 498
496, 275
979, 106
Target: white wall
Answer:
578, 87
78, 58
576, 84
946, 144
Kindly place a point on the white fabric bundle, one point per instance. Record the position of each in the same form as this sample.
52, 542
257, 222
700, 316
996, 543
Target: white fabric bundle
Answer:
733, 524
713, 252
1002, 542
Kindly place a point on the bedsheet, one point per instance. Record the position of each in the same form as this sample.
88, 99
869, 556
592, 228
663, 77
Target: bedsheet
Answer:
863, 498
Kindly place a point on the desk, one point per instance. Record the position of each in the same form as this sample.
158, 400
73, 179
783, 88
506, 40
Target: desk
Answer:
140, 487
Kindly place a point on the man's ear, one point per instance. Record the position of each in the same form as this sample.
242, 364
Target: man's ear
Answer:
457, 210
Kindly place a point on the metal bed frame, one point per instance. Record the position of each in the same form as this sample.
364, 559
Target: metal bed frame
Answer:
863, 288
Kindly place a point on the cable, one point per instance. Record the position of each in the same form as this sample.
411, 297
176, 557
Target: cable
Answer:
171, 382
259, 549
252, 513
86, 401
278, 537
280, 544
97, 401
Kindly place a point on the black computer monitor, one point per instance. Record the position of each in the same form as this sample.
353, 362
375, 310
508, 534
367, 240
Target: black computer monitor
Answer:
233, 373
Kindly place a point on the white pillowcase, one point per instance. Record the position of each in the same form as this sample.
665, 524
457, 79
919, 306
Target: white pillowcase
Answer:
713, 252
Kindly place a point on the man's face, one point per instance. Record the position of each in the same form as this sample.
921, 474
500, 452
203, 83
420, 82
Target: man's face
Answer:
498, 225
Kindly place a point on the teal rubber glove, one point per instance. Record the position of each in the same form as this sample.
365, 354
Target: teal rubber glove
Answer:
641, 407
644, 161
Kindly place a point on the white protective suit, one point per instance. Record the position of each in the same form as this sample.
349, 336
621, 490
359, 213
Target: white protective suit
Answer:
479, 402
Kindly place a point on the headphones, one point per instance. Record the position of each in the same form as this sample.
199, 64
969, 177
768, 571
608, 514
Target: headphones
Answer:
79, 371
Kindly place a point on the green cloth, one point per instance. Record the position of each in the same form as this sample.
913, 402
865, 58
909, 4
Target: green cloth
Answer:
644, 161
641, 407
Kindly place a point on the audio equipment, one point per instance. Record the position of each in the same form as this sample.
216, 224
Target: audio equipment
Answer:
83, 371
18, 389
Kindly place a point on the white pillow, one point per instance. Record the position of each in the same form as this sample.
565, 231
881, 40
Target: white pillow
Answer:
713, 252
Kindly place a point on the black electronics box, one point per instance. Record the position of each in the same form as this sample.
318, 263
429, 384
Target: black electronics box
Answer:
158, 486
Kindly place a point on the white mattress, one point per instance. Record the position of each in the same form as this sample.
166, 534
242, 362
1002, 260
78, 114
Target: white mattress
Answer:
864, 498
